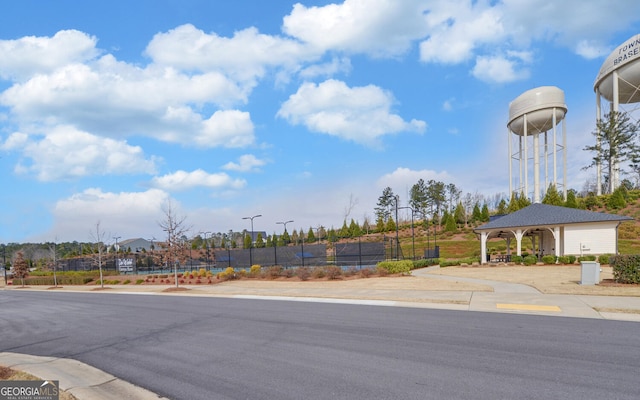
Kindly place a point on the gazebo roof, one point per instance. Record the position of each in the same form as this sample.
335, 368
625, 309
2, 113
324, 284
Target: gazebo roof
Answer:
538, 214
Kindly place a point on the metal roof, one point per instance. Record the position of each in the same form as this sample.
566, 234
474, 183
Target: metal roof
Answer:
538, 214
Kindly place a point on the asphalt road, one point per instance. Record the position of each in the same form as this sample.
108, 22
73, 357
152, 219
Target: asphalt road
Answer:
215, 348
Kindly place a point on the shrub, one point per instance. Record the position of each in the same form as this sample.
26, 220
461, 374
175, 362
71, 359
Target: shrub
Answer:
517, 259
572, 259
333, 272
274, 272
139, 281
626, 268
604, 258
563, 260
549, 259
366, 272
202, 273
318, 273
227, 274
396, 267
587, 258
449, 263
254, 271
303, 273
126, 282
530, 260
425, 262
62, 280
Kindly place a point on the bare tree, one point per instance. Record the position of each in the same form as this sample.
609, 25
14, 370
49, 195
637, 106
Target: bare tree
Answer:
352, 203
97, 238
174, 226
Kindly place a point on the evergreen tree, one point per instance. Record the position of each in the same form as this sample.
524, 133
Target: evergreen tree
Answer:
383, 207
476, 215
332, 236
294, 237
247, 241
286, 239
344, 231
459, 214
502, 207
380, 224
514, 204
523, 201
391, 225
259, 241
450, 222
354, 229
571, 199
418, 197
616, 201
311, 238
552, 197
615, 143
485, 213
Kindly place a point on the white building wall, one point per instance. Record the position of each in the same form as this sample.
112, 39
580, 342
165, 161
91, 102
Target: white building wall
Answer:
585, 239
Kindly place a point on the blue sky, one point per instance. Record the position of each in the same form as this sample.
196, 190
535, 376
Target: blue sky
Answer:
296, 111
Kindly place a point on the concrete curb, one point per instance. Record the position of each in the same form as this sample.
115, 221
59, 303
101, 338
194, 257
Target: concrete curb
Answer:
81, 380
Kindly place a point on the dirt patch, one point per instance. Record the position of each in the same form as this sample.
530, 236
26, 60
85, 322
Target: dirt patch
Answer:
176, 289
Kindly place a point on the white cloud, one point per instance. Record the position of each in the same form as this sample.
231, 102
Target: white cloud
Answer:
360, 114
498, 69
244, 57
336, 66
66, 153
127, 214
183, 180
403, 178
458, 28
375, 27
246, 163
32, 55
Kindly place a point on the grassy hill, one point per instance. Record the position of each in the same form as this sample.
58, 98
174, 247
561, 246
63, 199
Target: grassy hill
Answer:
464, 243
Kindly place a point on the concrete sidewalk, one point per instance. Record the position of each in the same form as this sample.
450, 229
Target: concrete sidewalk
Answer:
88, 383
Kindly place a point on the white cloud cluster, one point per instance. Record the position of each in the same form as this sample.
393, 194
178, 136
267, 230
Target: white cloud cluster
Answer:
182, 180
246, 163
360, 114
67, 153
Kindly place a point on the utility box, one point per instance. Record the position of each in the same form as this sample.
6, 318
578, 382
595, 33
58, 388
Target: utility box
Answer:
590, 273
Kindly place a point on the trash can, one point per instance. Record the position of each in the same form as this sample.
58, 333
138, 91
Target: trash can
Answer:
590, 273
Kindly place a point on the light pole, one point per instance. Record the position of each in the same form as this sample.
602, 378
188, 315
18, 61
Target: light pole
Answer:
117, 250
285, 230
413, 237
4, 262
206, 247
397, 198
251, 242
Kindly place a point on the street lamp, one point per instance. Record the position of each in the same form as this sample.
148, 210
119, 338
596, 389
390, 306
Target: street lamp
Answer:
206, 247
117, 250
251, 243
285, 229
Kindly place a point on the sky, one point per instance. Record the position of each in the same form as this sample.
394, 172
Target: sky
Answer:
304, 112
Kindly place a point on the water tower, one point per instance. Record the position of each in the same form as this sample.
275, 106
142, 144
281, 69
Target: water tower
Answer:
619, 83
533, 114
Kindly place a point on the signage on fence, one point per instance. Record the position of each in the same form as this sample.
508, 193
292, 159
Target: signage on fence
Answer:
125, 264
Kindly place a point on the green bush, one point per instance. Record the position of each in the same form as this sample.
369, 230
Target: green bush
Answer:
425, 262
626, 268
517, 259
549, 259
396, 267
563, 260
449, 263
572, 259
604, 258
587, 258
139, 281
530, 260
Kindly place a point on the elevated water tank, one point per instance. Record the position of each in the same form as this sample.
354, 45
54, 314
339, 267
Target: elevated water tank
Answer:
625, 61
538, 105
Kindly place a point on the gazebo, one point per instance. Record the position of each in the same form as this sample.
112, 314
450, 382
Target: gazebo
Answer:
554, 230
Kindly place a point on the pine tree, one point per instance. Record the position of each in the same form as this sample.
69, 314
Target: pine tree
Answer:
259, 241
459, 214
476, 215
450, 222
391, 225
311, 238
502, 207
552, 197
485, 213
571, 200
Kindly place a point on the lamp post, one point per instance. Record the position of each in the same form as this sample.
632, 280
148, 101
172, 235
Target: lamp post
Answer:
251, 242
4, 262
397, 198
413, 237
206, 248
285, 229
117, 250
